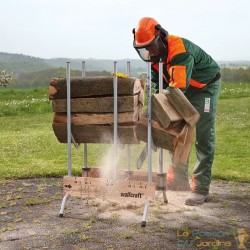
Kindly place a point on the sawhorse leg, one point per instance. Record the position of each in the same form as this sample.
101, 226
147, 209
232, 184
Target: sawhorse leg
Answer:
147, 204
145, 213
63, 204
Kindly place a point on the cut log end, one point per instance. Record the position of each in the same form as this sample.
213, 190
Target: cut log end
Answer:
52, 92
182, 105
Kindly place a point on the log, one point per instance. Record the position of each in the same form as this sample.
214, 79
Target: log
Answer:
94, 86
182, 150
96, 105
96, 133
102, 118
161, 137
175, 128
164, 110
182, 105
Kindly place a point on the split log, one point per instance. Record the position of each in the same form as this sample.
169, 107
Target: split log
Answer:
103, 118
182, 150
162, 138
175, 128
97, 105
94, 86
164, 110
96, 133
182, 105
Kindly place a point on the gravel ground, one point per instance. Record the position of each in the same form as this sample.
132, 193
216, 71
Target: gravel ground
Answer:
29, 219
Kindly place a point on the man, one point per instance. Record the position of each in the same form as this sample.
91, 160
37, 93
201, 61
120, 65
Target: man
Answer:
188, 67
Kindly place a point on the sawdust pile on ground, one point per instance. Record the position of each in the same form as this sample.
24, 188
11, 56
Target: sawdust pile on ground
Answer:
29, 220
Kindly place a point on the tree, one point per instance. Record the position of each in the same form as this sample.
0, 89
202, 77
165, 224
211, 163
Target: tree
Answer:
5, 78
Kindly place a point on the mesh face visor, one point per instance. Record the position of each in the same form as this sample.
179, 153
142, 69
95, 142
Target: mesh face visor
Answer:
152, 52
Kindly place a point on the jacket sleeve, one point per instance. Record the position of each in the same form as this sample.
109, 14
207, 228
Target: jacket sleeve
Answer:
180, 71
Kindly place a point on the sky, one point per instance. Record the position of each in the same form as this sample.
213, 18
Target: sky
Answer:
102, 29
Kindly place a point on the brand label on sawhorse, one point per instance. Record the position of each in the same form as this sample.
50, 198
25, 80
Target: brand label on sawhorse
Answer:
129, 194
128, 190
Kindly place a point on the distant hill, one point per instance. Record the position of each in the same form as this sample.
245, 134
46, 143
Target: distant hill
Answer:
35, 71
99, 64
43, 77
18, 63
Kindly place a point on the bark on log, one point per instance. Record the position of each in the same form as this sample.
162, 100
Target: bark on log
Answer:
96, 133
164, 110
182, 105
96, 105
94, 86
106, 118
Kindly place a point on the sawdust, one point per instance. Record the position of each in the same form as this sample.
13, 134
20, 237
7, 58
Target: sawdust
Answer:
107, 163
29, 219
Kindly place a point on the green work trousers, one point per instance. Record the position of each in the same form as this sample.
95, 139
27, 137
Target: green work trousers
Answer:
205, 101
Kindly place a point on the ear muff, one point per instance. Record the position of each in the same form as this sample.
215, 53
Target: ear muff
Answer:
163, 32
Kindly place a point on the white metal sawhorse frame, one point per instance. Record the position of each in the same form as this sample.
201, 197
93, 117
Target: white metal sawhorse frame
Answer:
161, 188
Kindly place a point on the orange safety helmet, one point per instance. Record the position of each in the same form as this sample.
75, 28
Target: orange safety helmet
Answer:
145, 31
149, 39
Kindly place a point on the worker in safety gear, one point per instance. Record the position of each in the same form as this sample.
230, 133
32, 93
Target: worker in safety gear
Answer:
187, 67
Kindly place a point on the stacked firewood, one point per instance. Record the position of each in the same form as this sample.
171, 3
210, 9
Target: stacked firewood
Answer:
92, 108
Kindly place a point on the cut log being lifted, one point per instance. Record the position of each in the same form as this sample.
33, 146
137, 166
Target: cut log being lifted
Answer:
173, 120
162, 138
183, 146
182, 105
164, 110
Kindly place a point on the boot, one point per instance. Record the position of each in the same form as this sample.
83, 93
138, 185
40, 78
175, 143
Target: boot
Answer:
195, 199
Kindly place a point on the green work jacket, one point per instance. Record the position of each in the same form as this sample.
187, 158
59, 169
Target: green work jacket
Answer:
187, 64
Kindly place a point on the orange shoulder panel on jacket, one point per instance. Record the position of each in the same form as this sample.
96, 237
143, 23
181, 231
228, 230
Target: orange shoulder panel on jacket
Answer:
197, 84
175, 46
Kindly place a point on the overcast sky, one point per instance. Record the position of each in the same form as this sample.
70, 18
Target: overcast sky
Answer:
102, 29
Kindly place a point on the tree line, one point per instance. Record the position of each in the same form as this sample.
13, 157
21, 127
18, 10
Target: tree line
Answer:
235, 74
43, 77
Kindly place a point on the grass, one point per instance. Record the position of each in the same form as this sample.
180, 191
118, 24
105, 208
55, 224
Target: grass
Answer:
24, 102
29, 148
232, 156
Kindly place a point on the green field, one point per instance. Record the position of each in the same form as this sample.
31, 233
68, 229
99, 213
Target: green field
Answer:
28, 147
